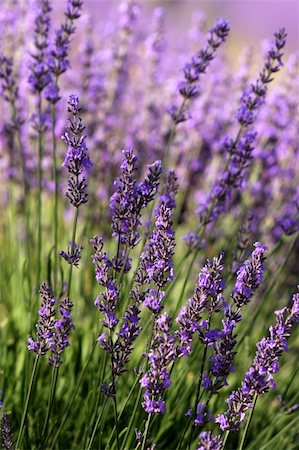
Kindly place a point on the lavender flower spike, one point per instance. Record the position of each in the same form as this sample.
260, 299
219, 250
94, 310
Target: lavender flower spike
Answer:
207, 295
259, 379
76, 159
129, 198
249, 276
161, 354
209, 442
45, 326
62, 330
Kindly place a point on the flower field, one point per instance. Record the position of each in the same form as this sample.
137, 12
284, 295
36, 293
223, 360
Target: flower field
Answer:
149, 290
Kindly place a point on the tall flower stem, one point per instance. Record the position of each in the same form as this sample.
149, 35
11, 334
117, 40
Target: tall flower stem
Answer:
39, 194
97, 421
114, 395
96, 425
226, 434
55, 211
248, 423
71, 402
29, 392
50, 400
198, 389
75, 223
146, 431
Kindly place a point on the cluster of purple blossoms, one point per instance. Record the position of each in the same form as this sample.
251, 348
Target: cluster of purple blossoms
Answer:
240, 150
58, 61
104, 276
62, 331
207, 297
45, 326
123, 345
129, 198
156, 259
40, 76
157, 379
52, 334
76, 159
259, 379
73, 254
249, 278
189, 87
207, 441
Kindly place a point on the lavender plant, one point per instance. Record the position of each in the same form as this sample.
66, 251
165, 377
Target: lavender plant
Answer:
182, 221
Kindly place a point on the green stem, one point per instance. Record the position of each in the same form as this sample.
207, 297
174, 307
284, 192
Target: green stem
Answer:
248, 423
39, 196
132, 416
55, 213
101, 377
29, 392
96, 425
198, 390
146, 431
114, 396
50, 400
225, 439
70, 404
72, 250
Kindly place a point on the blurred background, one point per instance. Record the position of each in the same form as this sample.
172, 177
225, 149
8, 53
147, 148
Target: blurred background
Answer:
252, 20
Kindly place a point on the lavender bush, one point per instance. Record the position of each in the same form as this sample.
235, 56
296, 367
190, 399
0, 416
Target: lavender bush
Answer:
149, 234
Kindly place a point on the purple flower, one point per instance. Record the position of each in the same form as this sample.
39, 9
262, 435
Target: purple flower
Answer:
76, 159
123, 345
46, 323
129, 199
106, 302
156, 260
217, 34
249, 276
162, 352
207, 296
153, 301
73, 255
40, 76
207, 441
259, 379
61, 332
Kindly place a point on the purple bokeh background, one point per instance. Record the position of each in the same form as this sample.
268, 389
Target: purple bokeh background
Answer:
252, 20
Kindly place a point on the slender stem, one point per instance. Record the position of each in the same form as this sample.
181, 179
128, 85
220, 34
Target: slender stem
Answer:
183, 435
114, 392
39, 195
95, 428
248, 423
55, 176
146, 431
70, 404
225, 439
29, 392
72, 250
198, 390
129, 428
50, 399
96, 425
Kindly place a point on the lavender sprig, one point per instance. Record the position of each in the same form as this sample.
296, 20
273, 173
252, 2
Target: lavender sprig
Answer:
240, 150
207, 296
62, 330
45, 326
259, 379
161, 354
